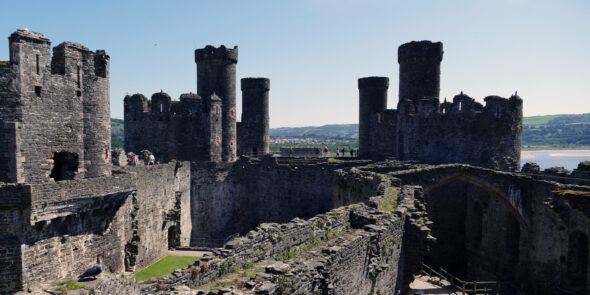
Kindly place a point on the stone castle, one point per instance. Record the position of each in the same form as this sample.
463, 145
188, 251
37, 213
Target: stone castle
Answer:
448, 197
426, 130
202, 126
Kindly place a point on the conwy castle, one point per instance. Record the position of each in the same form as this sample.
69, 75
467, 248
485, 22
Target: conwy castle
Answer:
437, 188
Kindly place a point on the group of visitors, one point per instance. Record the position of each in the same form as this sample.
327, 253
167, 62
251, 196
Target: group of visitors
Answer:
135, 160
326, 152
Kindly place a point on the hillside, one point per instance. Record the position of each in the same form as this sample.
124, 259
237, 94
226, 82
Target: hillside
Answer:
556, 131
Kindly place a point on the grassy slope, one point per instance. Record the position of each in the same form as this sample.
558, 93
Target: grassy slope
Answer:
165, 266
539, 120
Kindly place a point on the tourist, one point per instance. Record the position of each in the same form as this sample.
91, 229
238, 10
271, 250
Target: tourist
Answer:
326, 151
351, 152
317, 152
152, 160
290, 152
343, 152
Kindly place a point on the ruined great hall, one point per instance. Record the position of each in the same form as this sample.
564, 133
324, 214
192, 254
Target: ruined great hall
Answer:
436, 184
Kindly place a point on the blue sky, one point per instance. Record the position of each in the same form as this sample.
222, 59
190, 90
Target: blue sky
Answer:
314, 51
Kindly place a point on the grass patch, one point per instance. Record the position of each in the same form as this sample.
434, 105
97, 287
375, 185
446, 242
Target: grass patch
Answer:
70, 285
572, 193
165, 266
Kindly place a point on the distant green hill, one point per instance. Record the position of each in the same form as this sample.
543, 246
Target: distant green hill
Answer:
117, 133
555, 131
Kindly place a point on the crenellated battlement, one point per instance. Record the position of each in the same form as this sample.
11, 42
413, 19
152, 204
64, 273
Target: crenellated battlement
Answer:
420, 50
255, 83
424, 129
211, 53
185, 129
369, 82
74, 84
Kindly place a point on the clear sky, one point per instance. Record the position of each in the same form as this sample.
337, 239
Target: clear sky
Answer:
315, 50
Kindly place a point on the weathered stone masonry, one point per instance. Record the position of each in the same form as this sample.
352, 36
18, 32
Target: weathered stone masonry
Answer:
423, 129
202, 127
54, 230
55, 111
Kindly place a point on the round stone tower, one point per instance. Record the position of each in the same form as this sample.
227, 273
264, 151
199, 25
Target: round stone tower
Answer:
255, 118
97, 113
419, 70
216, 73
372, 104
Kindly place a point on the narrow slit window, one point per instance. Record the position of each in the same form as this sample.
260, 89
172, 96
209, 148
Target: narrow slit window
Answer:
37, 64
38, 91
78, 73
161, 108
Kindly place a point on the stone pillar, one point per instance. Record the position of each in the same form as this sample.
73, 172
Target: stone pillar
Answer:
216, 74
255, 139
372, 104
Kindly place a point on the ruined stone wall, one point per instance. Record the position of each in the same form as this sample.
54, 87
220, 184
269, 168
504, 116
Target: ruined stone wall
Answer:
350, 250
188, 129
58, 106
462, 132
8, 124
161, 202
234, 199
53, 231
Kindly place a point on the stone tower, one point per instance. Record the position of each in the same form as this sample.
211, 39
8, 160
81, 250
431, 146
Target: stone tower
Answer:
255, 126
419, 90
372, 104
419, 70
55, 117
216, 73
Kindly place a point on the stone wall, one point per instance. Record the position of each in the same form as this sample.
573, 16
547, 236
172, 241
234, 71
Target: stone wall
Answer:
462, 132
188, 129
425, 130
55, 105
349, 250
229, 199
53, 231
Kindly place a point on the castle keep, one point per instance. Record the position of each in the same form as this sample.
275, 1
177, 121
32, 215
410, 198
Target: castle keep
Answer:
299, 226
423, 129
202, 126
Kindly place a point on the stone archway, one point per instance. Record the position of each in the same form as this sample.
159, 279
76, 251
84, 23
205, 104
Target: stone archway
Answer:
478, 230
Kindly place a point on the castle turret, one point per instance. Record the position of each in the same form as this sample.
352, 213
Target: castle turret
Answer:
96, 95
216, 73
372, 104
419, 70
213, 128
255, 126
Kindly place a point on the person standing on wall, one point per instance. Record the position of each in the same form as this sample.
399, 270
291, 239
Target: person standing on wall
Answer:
326, 151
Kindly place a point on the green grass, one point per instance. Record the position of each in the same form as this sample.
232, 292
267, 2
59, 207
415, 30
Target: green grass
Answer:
165, 266
538, 120
70, 285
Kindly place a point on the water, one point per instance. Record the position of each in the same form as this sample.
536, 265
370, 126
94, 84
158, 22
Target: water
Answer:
550, 158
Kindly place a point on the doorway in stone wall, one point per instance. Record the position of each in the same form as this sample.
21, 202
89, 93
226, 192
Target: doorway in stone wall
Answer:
173, 238
65, 166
